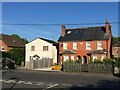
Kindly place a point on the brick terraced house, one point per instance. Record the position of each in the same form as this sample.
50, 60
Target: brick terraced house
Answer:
85, 43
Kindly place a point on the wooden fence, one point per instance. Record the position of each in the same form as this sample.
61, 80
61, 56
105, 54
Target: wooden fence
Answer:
39, 64
42, 63
100, 68
77, 67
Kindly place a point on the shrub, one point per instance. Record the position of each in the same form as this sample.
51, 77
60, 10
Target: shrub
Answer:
117, 62
97, 61
107, 61
78, 61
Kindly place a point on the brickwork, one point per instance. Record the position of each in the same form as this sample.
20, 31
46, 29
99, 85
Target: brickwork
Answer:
81, 45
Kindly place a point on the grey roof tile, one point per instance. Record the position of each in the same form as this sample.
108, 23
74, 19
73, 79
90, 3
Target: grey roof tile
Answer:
83, 34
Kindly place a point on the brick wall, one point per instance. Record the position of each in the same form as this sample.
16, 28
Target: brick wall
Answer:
2, 44
81, 48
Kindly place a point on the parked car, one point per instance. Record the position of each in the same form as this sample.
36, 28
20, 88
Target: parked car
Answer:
8, 63
56, 67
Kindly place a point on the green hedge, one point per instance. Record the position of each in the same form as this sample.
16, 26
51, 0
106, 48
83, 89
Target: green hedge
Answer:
117, 62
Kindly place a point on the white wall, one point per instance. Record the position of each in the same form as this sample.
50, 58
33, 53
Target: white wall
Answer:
38, 43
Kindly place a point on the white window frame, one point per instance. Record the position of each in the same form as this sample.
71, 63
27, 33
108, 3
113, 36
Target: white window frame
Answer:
95, 57
65, 46
66, 58
102, 58
74, 45
72, 57
88, 45
99, 45
45, 48
32, 48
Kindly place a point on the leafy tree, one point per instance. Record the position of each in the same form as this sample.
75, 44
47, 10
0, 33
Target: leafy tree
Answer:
115, 40
17, 36
17, 54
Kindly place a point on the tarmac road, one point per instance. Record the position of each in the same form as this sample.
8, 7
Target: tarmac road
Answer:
61, 80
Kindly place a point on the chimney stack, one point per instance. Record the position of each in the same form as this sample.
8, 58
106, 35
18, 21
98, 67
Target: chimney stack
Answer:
107, 25
63, 29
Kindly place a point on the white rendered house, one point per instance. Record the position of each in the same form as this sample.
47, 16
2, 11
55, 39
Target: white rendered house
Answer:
42, 48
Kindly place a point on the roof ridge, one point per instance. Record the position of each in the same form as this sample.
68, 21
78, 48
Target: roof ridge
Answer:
84, 27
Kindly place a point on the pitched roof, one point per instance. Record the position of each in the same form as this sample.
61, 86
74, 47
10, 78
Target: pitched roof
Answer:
68, 52
97, 52
83, 34
12, 41
50, 41
117, 44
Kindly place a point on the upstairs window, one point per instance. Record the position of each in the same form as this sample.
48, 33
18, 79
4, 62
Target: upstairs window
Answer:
88, 46
45, 48
74, 45
99, 45
32, 48
65, 46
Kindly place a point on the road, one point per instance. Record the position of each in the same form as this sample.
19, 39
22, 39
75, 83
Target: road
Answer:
45, 80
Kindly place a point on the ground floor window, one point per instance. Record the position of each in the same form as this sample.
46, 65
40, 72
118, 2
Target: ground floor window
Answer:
72, 57
95, 57
65, 58
102, 57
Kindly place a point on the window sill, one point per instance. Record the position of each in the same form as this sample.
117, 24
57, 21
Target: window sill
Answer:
88, 48
99, 49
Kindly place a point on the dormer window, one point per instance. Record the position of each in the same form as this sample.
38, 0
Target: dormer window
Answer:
78, 32
68, 32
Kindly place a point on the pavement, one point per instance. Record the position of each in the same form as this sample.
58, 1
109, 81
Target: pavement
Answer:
41, 69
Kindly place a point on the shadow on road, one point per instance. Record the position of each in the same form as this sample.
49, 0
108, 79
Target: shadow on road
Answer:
111, 84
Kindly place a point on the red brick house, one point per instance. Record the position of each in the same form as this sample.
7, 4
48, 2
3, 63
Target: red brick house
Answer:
8, 42
85, 43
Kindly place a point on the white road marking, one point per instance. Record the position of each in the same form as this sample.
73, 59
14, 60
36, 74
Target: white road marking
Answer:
12, 81
67, 84
7, 81
2, 80
51, 86
21, 82
28, 83
40, 83
80, 85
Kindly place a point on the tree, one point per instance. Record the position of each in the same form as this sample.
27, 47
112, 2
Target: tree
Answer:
115, 40
17, 36
17, 54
